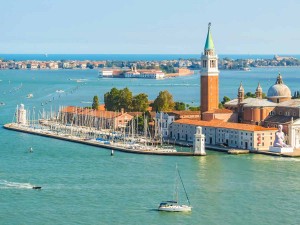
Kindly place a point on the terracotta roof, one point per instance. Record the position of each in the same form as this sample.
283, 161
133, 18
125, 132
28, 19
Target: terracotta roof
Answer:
135, 113
91, 112
278, 119
222, 124
101, 107
184, 112
219, 111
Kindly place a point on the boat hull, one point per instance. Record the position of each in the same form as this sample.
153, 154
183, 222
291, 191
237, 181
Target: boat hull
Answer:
179, 208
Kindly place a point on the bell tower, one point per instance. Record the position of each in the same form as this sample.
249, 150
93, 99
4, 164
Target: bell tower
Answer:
209, 76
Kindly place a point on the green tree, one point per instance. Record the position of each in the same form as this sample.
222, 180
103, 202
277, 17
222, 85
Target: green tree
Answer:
111, 99
194, 108
140, 103
225, 99
163, 102
95, 104
180, 106
116, 100
169, 68
125, 100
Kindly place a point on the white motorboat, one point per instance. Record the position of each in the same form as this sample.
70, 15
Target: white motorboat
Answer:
174, 205
60, 91
29, 96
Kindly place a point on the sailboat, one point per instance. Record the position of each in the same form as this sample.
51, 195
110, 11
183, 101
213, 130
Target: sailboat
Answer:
174, 205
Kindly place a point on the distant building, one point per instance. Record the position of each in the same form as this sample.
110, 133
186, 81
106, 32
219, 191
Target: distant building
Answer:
94, 118
146, 74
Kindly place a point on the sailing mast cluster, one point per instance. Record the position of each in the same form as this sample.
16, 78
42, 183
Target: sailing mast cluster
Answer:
110, 128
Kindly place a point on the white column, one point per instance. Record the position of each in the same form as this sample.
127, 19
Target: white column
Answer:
199, 142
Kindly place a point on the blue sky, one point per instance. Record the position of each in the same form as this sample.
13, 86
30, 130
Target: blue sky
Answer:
149, 26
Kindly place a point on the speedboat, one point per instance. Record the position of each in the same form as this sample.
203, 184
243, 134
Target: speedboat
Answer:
36, 187
29, 95
60, 91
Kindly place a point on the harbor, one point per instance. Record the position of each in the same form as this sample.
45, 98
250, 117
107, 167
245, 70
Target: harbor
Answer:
114, 146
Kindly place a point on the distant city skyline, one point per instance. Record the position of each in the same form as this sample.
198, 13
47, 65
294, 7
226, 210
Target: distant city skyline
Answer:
148, 27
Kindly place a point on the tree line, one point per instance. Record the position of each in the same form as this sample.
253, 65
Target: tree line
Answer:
118, 99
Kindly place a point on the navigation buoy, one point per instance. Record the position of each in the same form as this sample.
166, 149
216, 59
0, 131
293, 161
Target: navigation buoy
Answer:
112, 152
30, 149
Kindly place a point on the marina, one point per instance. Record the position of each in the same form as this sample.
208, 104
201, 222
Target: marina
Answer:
117, 146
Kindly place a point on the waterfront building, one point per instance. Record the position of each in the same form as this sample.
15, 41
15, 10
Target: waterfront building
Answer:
110, 73
146, 74
100, 119
163, 120
32, 65
277, 108
217, 132
209, 76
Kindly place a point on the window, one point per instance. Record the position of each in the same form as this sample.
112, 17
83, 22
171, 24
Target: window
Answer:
263, 144
271, 143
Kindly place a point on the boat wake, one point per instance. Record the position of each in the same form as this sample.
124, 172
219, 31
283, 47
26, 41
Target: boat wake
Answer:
4, 184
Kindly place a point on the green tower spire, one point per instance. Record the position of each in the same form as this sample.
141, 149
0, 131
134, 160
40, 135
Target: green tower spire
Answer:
209, 44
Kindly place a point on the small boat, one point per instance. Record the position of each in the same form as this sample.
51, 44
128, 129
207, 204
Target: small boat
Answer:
29, 96
30, 149
36, 187
60, 91
2, 103
174, 205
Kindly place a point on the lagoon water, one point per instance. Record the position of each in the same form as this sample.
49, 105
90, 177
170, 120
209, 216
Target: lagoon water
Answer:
85, 185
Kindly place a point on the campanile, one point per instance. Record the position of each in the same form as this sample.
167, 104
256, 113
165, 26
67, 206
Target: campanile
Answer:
209, 76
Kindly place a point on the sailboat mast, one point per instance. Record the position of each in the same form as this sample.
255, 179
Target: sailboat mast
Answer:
187, 197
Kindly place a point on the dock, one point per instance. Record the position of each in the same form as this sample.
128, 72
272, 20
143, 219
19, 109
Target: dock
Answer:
66, 137
296, 153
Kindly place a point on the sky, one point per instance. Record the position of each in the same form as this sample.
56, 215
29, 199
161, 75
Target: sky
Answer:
149, 26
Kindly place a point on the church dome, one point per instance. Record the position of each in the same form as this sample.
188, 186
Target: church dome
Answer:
279, 91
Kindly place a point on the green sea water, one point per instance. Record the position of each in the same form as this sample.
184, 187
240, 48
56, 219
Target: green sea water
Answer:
85, 185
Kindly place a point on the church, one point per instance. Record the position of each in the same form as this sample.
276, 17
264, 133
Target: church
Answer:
247, 123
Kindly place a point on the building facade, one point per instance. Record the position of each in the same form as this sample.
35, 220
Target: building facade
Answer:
76, 116
234, 135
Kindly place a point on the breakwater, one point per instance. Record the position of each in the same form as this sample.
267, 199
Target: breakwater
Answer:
65, 137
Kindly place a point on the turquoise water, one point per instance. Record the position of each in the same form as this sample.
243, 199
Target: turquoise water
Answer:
85, 185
